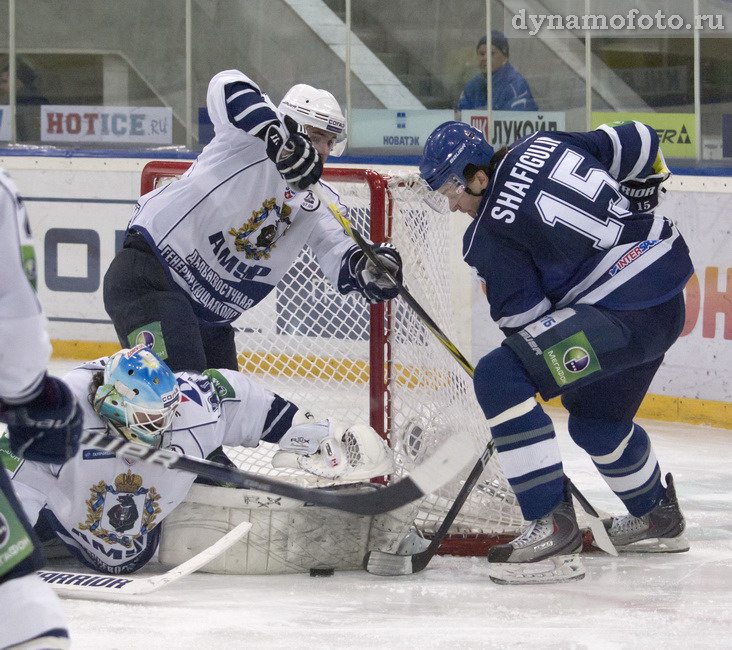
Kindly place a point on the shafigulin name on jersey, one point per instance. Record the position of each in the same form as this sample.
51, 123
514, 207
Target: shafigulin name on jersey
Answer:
268, 234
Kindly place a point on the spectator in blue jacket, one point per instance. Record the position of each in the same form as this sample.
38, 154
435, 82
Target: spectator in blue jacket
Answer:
510, 90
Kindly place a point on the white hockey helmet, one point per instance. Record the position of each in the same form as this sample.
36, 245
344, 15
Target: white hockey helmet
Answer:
316, 107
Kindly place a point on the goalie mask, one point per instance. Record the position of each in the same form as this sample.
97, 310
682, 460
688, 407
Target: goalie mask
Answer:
316, 107
139, 395
450, 148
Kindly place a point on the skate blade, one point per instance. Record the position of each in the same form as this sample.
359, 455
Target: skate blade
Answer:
561, 568
387, 564
657, 545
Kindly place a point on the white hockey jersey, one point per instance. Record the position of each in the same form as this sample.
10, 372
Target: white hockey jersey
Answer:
24, 344
108, 510
231, 227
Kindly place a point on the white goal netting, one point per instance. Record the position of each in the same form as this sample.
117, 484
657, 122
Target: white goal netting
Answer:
335, 356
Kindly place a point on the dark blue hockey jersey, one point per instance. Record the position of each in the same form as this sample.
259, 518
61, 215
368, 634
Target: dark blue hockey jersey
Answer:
553, 229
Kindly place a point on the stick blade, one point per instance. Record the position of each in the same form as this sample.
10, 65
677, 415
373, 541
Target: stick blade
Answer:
602, 539
387, 564
599, 532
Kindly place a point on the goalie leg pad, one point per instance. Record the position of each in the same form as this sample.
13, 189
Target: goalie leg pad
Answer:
394, 532
286, 537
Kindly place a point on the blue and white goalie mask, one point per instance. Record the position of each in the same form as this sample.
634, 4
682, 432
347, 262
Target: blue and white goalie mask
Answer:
449, 149
139, 395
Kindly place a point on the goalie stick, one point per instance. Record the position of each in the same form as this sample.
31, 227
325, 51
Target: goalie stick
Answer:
109, 587
440, 468
401, 564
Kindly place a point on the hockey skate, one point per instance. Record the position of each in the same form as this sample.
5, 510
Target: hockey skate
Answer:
660, 531
546, 551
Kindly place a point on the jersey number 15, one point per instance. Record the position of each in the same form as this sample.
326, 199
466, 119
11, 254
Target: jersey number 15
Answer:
603, 232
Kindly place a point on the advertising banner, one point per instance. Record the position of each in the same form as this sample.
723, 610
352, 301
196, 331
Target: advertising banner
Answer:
676, 131
405, 132
109, 124
509, 126
79, 209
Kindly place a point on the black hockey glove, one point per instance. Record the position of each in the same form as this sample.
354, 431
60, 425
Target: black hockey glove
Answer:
375, 286
644, 195
46, 429
295, 156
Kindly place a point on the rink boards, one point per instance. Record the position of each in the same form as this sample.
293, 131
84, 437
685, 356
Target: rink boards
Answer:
79, 208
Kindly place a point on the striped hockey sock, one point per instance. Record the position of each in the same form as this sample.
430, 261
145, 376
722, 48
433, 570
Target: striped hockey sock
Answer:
631, 471
529, 455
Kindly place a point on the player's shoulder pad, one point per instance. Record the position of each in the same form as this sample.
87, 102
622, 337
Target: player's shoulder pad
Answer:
228, 76
635, 148
220, 385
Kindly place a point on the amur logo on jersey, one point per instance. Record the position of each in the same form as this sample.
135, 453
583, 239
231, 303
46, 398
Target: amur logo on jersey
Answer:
269, 233
123, 512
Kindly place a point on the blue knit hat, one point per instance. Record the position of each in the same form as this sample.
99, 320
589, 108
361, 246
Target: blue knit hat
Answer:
498, 40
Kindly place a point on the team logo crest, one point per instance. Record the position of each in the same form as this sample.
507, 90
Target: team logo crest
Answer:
268, 234
120, 513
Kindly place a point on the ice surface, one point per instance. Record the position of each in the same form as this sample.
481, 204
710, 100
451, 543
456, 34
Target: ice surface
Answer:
634, 601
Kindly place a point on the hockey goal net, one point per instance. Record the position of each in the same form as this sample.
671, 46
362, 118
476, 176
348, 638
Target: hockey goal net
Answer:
336, 356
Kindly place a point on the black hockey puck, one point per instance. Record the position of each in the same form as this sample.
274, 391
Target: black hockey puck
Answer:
320, 573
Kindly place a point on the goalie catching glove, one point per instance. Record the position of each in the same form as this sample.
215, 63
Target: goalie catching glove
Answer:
329, 450
293, 153
367, 279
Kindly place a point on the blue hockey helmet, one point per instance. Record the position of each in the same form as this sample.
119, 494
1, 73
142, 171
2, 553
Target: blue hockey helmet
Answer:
139, 395
448, 150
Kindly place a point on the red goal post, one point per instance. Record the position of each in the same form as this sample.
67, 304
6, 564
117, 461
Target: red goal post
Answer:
336, 356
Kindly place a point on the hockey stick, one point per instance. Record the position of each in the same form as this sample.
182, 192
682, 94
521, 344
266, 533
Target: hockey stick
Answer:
380, 558
403, 291
390, 564
440, 468
90, 585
